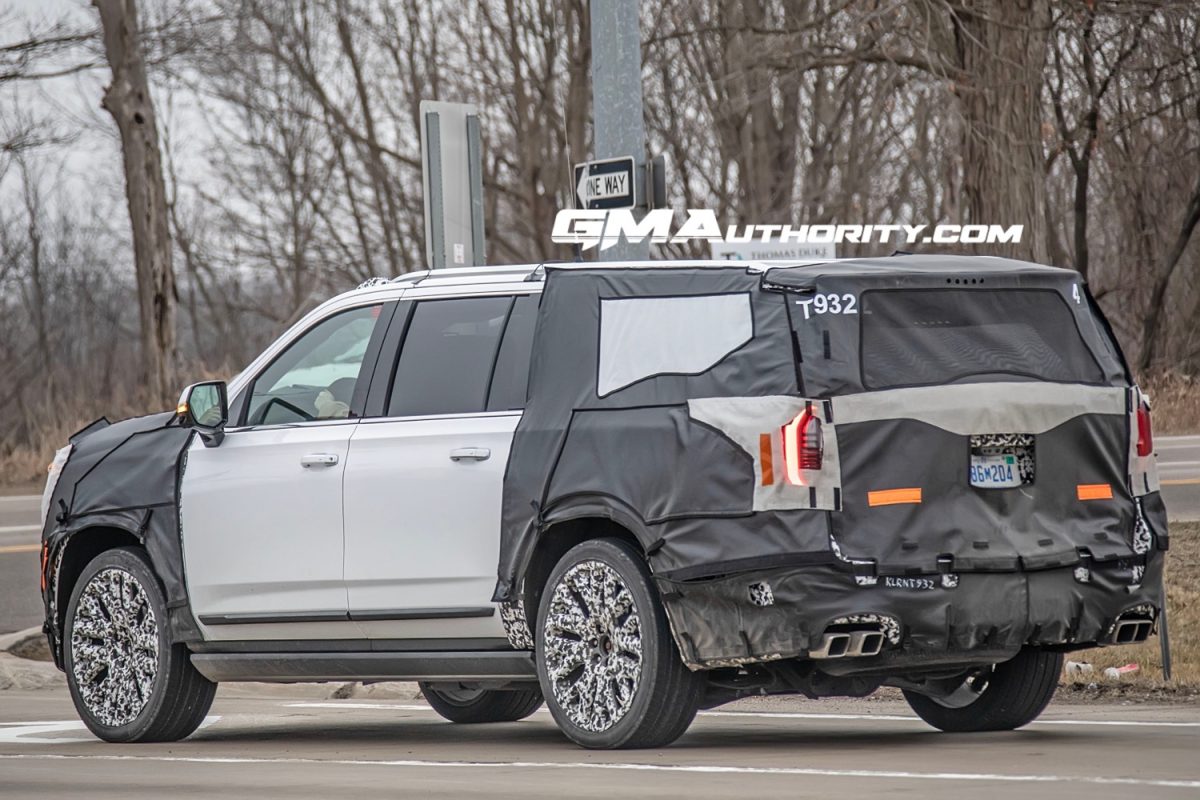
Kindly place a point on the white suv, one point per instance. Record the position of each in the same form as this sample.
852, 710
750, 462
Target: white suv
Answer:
698, 495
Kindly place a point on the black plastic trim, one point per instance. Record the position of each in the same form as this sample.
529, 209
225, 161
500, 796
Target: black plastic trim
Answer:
280, 667
352, 645
457, 612
268, 619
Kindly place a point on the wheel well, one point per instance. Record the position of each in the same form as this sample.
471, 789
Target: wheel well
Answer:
554, 544
78, 551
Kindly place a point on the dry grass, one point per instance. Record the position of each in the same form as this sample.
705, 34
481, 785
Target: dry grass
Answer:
28, 443
26, 463
1183, 605
1176, 402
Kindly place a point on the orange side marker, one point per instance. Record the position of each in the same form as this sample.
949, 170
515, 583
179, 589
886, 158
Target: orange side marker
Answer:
764, 458
891, 497
1094, 491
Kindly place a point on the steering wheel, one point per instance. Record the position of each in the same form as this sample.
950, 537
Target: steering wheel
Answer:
300, 412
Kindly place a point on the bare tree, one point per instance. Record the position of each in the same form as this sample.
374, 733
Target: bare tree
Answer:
129, 102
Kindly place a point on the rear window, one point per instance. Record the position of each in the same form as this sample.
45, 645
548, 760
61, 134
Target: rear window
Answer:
918, 337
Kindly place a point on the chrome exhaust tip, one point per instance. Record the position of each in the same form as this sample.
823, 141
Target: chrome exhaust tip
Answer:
1130, 631
868, 641
833, 645
865, 643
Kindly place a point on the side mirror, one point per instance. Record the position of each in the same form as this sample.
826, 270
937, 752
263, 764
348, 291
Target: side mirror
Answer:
204, 406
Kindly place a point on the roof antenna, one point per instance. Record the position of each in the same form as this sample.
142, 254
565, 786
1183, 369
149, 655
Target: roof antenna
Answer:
900, 253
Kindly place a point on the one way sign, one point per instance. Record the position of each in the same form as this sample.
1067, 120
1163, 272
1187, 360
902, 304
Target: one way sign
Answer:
605, 184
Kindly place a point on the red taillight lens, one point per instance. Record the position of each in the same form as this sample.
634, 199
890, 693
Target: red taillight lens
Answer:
1145, 442
802, 446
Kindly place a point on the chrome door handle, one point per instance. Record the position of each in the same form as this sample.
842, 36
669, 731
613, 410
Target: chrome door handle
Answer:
470, 454
318, 460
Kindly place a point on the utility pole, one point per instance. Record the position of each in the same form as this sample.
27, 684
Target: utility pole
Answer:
617, 102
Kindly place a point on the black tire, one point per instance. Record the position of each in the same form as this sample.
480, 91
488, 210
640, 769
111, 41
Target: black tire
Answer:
117, 616
470, 706
1014, 694
653, 695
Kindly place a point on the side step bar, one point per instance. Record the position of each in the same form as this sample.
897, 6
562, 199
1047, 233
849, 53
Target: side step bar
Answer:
304, 667
841, 644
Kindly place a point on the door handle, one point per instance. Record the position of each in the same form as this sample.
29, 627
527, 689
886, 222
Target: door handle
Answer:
470, 454
318, 460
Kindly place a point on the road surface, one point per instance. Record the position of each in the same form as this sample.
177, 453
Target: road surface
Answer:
20, 606
286, 747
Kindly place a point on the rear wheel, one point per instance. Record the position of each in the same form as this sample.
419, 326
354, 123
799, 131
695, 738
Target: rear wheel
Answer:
1007, 695
608, 666
128, 682
467, 705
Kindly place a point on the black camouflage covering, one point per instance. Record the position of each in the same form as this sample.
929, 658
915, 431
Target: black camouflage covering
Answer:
125, 476
968, 570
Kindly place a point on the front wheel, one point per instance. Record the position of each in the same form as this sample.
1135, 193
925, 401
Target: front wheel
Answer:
608, 666
1007, 695
469, 705
128, 682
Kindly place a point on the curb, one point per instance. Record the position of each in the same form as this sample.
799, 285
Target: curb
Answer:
19, 640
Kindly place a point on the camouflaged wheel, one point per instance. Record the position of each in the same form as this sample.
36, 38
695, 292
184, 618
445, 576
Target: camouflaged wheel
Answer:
608, 666
128, 682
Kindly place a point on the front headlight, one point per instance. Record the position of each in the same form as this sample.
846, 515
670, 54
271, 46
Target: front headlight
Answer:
55, 471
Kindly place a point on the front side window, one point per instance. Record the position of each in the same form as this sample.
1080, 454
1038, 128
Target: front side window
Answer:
445, 365
316, 375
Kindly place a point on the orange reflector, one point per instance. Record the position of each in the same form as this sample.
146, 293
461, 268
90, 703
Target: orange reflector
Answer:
891, 497
45, 558
764, 458
1094, 491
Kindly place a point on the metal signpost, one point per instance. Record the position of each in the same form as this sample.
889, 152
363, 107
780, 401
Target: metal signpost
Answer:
617, 106
452, 176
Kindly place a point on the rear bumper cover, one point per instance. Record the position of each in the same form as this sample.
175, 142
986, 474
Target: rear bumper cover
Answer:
929, 620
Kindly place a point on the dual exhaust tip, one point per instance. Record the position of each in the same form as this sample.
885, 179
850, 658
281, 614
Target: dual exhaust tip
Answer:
840, 644
1129, 631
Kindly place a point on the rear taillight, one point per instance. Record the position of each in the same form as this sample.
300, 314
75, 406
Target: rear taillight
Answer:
1145, 442
802, 446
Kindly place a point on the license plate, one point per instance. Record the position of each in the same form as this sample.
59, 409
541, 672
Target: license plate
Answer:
994, 472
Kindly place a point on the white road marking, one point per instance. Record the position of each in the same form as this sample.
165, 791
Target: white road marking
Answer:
629, 766
19, 528
34, 732
22, 498
784, 715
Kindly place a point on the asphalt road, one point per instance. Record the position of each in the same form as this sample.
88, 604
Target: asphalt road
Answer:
20, 534
20, 605
265, 747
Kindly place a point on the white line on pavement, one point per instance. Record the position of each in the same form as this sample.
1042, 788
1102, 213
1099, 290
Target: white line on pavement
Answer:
630, 766
21, 498
19, 528
786, 715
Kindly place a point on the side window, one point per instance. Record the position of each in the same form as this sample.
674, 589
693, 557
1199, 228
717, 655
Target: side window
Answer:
510, 382
314, 378
446, 361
